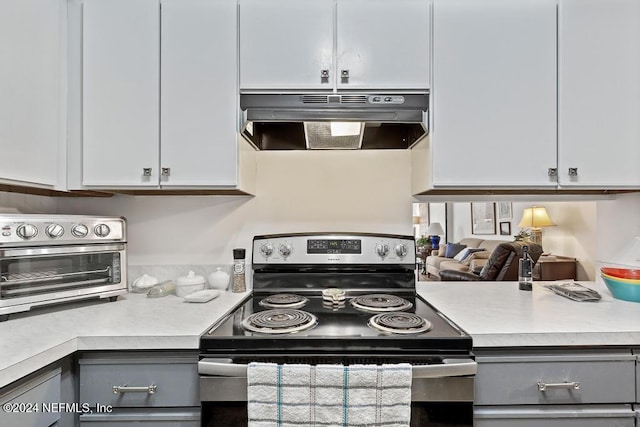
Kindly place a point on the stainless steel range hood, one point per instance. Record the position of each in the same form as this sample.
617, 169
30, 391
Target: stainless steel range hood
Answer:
334, 121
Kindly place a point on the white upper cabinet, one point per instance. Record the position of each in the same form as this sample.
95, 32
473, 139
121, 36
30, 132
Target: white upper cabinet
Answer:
327, 44
286, 44
494, 93
599, 93
32, 106
120, 104
160, 94
199, 111
383, 44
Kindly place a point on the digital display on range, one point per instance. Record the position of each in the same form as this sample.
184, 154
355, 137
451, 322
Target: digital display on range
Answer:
334, 246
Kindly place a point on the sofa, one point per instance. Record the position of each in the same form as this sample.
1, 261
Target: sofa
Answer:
436, 262
501, 266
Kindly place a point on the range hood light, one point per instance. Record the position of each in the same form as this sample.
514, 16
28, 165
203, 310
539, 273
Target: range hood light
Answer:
346, 128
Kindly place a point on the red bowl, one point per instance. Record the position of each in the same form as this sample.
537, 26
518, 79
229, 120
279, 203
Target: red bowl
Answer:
625, 273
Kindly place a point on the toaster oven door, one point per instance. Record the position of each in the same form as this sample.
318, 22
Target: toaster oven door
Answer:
32, 276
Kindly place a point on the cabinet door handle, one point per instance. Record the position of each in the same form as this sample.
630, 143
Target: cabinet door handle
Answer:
146, 171
151, 389
324, 76
344, 74
573, 171
166, 171
573, 385
552, 171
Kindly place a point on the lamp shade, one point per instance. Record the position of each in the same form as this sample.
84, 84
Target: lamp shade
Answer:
435, 229
535, 217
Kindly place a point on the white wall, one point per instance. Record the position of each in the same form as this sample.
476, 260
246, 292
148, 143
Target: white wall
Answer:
618, 229
25, 203
297, 191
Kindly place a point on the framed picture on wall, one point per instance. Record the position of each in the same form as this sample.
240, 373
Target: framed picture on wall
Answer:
505, 228
504, 211
483, 218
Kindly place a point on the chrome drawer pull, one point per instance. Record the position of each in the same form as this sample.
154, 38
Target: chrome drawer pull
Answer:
125, 389
574, 385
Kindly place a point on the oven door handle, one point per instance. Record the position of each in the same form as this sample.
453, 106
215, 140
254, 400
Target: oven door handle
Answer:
449, 368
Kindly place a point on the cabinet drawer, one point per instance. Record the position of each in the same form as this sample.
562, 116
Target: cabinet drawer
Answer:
185, 417
547, 378
554, 416
42, 389
143, 380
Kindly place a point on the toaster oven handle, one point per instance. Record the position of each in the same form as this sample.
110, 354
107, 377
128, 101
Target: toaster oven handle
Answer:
449, 368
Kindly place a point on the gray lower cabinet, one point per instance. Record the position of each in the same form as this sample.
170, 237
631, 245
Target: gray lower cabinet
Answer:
636, 352
550, 388
33, 401
146, 388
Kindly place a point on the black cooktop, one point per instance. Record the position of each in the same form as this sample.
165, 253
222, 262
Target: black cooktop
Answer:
342, 329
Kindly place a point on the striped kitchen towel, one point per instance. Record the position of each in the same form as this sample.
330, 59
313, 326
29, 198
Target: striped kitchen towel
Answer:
329, 395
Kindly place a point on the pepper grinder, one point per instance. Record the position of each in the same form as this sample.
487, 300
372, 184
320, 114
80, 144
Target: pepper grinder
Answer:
239, 284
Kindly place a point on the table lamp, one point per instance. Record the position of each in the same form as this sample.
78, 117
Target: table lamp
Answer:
534, 218
434, 231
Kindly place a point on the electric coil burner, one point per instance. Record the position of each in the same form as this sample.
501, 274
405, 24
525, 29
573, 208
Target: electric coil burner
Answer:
399, 323
377, 303
280, 321
343, 299
284, 301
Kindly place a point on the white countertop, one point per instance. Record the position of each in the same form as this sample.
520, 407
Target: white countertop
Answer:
498, 314
30, 341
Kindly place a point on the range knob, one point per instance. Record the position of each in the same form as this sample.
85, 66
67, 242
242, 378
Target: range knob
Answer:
266, 250
79, 230
401, 250
27, 231
102, 230
285, 250
54, 231
382, 249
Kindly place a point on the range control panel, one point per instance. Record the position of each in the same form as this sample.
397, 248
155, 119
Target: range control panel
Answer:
35, 229
334, 248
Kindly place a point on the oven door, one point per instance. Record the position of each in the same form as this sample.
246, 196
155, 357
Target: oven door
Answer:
36, 275
441, 394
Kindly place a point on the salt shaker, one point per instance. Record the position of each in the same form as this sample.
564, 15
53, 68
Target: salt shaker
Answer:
239, 284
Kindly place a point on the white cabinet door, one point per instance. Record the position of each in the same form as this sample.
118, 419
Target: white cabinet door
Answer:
383, 44
31, 113
494, 93
599, 93
121, 78
199, 93
286, 44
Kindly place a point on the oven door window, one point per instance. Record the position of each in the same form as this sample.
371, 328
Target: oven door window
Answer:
41, 274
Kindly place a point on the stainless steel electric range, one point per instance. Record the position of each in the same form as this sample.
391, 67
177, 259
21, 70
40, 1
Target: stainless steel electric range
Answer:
341, 298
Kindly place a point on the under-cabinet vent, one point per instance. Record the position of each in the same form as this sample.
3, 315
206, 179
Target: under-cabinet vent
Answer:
314, 99
353, 99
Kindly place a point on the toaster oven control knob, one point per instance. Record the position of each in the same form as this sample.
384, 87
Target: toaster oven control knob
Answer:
401, 250
102, 230
27, 231
285, 250
382, 249
79, 230
54, 231
266, 250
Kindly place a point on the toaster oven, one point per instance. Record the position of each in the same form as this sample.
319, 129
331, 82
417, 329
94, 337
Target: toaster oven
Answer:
50, 259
